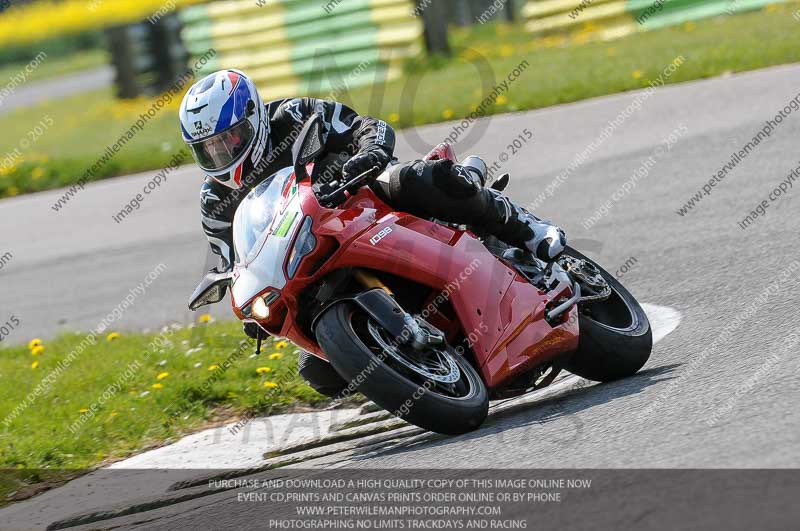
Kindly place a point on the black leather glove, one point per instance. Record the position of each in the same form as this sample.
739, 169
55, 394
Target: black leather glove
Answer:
363, 161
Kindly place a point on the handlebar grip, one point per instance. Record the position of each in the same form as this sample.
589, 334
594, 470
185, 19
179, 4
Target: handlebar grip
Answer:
337, 197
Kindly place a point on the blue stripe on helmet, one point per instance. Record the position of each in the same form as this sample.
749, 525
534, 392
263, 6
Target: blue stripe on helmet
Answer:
241, 96
225, 116
186, 135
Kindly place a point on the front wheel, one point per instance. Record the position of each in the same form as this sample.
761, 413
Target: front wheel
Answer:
615, 335
435, 389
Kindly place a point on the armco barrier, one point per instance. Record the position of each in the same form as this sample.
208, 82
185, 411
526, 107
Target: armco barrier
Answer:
617, 18
306, 46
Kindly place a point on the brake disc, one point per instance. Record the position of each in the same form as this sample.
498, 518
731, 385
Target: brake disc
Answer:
442, 368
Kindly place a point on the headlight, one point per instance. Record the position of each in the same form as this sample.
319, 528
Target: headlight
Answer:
260, 309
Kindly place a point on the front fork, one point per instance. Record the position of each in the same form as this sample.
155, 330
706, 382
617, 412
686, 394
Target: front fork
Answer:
416, 332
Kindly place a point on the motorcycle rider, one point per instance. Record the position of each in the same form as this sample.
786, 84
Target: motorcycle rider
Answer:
239, 141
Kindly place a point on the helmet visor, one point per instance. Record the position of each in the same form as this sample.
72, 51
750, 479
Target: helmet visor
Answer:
217, 152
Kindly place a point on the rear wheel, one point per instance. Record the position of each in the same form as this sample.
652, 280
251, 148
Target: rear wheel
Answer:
615, 335
435, 389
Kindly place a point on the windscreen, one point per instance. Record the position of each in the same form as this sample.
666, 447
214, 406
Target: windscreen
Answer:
255, 215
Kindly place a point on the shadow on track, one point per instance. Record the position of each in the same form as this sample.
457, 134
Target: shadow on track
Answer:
561, 407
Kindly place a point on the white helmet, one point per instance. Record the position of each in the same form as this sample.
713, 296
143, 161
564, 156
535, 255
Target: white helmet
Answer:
224, 123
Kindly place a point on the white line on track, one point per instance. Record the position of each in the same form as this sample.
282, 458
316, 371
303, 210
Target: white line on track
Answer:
663, 320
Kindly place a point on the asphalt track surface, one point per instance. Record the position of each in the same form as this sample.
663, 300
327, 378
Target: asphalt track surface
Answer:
61, 87
719, 392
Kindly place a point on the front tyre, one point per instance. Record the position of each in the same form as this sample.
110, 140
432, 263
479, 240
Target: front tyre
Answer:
615, 335
435, 389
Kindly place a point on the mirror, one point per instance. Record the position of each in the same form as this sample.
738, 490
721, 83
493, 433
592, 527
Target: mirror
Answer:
211, 290
308, 145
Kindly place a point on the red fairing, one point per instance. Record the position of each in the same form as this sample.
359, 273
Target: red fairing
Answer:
498, 310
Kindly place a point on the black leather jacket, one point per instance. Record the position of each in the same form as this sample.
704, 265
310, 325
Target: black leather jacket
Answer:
347, 133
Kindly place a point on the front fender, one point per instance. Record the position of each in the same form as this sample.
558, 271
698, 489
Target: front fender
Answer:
379, 305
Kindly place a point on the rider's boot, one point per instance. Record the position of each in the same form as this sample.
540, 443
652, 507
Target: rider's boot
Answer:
545, 240
496, 213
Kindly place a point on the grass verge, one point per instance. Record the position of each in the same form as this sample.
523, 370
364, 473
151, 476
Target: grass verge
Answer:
559, 70
130, 393
49, 68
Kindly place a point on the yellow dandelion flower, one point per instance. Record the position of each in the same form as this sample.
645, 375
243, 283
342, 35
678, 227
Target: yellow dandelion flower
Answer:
394, 117
281, 344
37, 350
37, 173
270, 385
213, 367
113, 414
162, 375
447, 114
113, 336
506, 50
12, 191
83, 410
550, 42
157, 386
205, 318
34, 343
263, 370
689, 26
501, 100
275, 356
636, 74
470, 54
34, 364
581, 38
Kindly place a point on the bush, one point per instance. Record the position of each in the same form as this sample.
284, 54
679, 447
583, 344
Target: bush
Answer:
54, 48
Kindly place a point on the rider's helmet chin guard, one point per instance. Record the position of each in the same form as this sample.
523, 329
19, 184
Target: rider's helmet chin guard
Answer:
224, 123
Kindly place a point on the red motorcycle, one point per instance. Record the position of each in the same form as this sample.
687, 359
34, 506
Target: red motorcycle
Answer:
427, 319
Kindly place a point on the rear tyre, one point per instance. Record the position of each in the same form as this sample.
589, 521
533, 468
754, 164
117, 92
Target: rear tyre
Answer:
437, 389
320, 375
615, 335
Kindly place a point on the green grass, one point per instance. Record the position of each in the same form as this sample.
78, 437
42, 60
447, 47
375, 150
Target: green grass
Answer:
73, 134
134, 415
52, 67
561, 70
